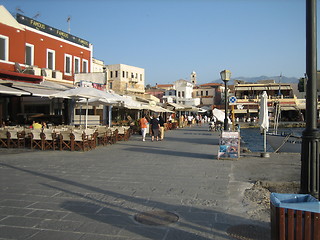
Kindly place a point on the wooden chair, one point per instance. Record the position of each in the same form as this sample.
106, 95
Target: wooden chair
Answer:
120, 133
21, 138
49, 139
4, 140
114, 136
109, 136
65, 140
36, 139
16, 138
91, 137
101, 136
80, 140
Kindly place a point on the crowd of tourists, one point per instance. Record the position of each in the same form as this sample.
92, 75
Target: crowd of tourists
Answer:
155, 125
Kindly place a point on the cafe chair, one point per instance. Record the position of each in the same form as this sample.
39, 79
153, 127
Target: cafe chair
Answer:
49, 139
80, 140
36, 139
4, 140
65, 140
16, 138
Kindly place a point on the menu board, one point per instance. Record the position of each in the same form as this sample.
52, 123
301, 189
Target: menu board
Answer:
229, 145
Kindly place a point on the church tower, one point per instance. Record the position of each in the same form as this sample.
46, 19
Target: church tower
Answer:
194, 78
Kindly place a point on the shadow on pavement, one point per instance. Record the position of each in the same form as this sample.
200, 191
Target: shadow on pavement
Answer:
171, 153
119, 210
192, 139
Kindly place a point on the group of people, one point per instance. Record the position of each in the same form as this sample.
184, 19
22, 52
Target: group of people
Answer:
189, 120
155, 125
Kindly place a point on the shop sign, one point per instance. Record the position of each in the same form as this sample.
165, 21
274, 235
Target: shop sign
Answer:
50, 30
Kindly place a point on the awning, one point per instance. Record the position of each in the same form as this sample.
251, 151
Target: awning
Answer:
38, 92
161, 109
130, 103
54, 85
176, 106
260, 88
302, 106
156, 108
9, 75
254, 88
12, 91
240, 88
240, 110
288, 108
141, 99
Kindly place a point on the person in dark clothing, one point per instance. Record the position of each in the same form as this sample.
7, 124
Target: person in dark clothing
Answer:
155, 126
161, 122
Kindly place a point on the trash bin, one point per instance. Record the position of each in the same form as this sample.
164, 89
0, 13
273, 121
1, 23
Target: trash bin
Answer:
294, 216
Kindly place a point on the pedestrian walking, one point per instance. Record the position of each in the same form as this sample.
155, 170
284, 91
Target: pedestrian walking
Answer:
143, 122
190, 118
161, 122
155, 126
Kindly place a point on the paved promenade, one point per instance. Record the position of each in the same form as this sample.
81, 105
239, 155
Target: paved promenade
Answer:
102, 193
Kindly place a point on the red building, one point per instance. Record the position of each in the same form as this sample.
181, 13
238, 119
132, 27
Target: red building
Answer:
40, 48
35, 54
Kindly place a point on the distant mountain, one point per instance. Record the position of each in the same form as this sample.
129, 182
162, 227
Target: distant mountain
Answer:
255, 79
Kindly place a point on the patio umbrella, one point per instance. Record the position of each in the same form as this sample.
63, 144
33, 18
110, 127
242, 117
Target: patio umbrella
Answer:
264, 118
85, 93
96, 101
219, 115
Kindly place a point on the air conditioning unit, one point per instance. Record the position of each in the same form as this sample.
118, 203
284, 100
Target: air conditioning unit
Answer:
57, 74
37, 70
45, 72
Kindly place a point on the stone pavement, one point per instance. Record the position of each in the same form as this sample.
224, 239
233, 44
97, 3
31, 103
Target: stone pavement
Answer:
99, 194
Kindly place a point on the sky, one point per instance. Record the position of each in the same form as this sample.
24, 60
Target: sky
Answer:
172, 38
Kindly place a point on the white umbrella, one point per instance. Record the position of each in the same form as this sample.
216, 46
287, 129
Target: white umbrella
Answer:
219, 115
98, 101
264, 118
85, 93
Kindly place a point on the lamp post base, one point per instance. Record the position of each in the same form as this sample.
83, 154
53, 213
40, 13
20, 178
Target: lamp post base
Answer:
264, 155
310, 164
226, 125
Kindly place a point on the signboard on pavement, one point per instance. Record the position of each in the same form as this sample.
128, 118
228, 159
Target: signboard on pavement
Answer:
229, 145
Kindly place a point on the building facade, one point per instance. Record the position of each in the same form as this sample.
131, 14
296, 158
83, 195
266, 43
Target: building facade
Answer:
125, 79
209, 94
181, 93
156, 92
30, 45
34, 53
98, 66
280, 96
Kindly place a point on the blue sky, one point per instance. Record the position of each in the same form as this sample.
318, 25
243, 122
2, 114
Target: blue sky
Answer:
172, 38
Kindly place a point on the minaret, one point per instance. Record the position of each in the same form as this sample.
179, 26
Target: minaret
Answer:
194, 78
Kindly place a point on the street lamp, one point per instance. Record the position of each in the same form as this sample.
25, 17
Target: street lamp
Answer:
310, 154
225, 76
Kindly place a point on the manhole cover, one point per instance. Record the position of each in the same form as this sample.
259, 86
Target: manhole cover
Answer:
249, 232
156, 218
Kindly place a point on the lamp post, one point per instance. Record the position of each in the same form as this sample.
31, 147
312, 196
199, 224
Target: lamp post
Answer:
225, 76
310, 159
